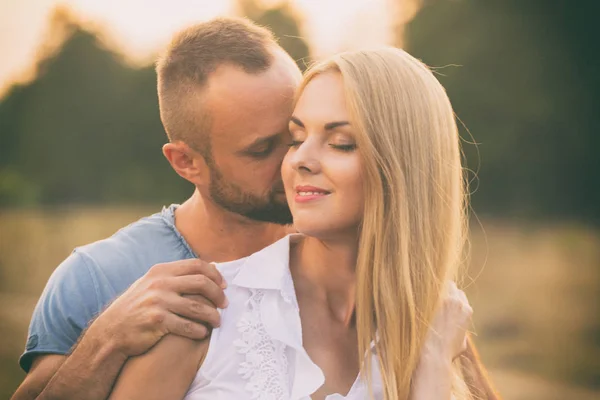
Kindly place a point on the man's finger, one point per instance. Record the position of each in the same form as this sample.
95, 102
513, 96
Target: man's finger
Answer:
195, 309
199, 285
462, 350
463, 295
186, 328
192, 266
451, 288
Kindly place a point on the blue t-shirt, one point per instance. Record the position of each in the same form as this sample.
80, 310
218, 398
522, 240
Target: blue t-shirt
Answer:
94, 275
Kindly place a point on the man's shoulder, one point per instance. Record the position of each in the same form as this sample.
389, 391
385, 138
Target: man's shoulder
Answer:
94, 274
131, 251
139, 234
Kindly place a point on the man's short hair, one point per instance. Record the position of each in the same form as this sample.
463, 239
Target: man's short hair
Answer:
191, 57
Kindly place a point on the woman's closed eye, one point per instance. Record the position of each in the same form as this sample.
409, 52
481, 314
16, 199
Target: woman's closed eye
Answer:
295, 143
344, 146
347, 147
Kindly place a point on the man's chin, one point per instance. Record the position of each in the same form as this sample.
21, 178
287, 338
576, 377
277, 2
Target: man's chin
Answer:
279, 214
280, 198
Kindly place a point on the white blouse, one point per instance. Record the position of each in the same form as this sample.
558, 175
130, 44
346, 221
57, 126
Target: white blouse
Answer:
257, 351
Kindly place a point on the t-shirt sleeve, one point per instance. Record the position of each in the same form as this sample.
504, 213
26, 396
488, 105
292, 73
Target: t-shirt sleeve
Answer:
67, 304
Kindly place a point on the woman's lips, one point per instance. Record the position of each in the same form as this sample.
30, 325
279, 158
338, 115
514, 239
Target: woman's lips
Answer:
305, 193
304, 197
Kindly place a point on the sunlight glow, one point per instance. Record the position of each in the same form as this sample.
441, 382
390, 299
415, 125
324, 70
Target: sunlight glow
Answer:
140, 28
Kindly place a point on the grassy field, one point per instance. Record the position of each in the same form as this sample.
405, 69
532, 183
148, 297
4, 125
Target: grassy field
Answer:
535, 292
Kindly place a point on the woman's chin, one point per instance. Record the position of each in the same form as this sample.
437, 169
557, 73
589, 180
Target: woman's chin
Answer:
323, 230
312, 228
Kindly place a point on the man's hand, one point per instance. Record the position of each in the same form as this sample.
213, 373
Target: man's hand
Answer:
447, 336
179, 297
445, 340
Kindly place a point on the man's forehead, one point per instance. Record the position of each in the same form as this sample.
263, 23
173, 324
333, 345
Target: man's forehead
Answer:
233, 81
246, 108
258, 103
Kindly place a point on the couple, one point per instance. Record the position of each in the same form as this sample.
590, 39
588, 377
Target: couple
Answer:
354, 305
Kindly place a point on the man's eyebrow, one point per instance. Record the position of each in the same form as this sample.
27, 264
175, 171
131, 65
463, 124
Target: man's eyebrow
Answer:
263, 140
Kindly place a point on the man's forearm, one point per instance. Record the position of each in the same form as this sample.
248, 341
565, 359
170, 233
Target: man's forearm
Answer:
432, 379
89, 372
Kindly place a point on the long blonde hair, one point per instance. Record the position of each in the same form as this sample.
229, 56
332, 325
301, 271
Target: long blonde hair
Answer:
414, 223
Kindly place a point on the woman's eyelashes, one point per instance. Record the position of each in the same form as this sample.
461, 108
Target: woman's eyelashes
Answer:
336, 142
342, 147
295, 143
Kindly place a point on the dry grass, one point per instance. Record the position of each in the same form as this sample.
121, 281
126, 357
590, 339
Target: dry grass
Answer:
536, 300
536, 296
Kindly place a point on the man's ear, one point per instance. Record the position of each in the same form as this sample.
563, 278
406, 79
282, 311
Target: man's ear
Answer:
188, 163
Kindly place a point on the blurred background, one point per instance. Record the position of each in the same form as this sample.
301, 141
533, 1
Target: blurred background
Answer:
80, 152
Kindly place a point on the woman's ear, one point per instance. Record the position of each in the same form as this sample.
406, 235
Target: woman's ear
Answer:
188, 163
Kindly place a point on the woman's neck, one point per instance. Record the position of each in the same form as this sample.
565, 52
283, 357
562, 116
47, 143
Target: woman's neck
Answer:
327, 270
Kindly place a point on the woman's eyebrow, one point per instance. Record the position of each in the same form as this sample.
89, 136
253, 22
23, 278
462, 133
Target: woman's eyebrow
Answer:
328, 126
336, 124
296, 121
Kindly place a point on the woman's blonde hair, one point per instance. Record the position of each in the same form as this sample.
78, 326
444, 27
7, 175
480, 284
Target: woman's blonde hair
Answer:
414, 224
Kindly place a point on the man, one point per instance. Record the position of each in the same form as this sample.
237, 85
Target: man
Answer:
225, 94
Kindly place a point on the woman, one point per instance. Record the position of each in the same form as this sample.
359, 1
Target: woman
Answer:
375, 185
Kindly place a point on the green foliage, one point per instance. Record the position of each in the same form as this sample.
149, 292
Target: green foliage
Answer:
87, 130
283, 23
519, 76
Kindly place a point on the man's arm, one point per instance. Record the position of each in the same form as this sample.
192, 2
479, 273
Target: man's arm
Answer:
152, 307
87, 373
42, 370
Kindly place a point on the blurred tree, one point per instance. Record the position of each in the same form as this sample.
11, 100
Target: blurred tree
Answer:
87, 130
520, 78
283, 22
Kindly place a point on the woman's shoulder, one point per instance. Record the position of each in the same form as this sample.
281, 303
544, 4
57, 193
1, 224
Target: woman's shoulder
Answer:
254, 326
262, 268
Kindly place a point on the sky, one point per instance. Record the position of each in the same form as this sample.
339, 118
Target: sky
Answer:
140, 28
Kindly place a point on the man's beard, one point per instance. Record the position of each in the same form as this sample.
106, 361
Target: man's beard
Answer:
232, 198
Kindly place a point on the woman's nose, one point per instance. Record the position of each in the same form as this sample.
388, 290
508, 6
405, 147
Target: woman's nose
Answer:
306, 158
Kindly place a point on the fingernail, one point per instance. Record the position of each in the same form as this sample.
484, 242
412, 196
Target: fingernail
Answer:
223, 283
225, 303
